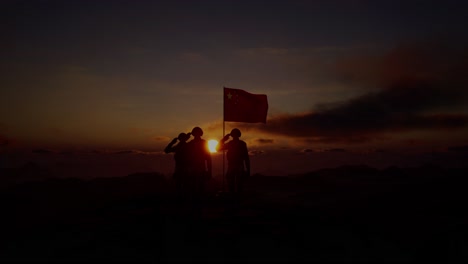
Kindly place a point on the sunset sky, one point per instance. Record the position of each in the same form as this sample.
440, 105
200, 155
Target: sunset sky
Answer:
341, 77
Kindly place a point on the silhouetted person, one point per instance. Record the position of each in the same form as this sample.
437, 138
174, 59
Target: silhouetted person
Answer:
182, 159
200, 162
238, 160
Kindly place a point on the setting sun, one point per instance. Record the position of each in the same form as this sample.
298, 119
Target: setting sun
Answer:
212, 145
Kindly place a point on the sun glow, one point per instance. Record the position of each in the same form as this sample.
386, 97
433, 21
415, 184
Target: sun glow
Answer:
212, 145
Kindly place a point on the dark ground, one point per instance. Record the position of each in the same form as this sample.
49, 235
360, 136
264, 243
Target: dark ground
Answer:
342, 214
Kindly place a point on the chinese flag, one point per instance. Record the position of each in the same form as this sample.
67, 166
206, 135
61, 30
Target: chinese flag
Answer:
241, 106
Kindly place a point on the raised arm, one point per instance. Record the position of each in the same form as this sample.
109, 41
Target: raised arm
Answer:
222, 145
170, 147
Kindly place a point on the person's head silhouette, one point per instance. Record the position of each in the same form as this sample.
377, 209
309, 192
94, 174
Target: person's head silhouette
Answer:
197, 132
235, 133
183, 137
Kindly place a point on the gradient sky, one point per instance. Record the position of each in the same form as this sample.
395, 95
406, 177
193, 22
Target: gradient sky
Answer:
339, 75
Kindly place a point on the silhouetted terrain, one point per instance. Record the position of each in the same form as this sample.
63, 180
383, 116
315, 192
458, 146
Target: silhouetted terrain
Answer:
347, 213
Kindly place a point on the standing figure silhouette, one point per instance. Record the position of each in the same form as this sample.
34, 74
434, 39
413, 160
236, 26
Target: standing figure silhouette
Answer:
182, 159
199, 163
238, 160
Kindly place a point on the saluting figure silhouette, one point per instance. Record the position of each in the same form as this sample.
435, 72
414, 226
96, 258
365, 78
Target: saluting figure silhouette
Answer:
182, 159
199, 162
238, 160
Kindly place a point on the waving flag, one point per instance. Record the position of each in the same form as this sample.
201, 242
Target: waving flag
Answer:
241, 106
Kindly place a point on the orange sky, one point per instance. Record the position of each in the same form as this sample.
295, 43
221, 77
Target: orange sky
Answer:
131, 76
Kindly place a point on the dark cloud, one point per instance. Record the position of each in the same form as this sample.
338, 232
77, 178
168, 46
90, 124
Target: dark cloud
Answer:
256, 152
335, 150
264, 141
124, 152
42, 151
142, 152
375, 151
424, 61
138, 152
161, 138
112, 152
307, 150
418, 88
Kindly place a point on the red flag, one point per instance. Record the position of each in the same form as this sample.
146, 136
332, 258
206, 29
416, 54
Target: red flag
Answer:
241, 106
